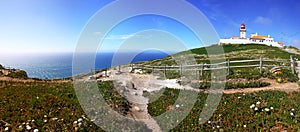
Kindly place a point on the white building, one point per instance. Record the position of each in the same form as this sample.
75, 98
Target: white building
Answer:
254, 39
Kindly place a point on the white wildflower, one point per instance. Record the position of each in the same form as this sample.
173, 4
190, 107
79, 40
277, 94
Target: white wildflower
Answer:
79, 120
209, 122
252, 106
244, 94
271, 108
239, 97
257, 102
45, 121
6, 129
267, 109
79, 124
28, 127
293, 109
245, 126
218, 127
177, 106
37, 97
36, 130
292, 114
75, 122
45, 116
255, 108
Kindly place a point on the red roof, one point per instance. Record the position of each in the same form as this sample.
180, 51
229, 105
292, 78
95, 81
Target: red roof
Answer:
243, 26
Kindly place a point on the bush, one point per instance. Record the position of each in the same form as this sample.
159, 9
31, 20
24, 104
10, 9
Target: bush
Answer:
18, 74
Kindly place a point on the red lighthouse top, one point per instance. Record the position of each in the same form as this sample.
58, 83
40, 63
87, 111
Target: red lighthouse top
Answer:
243, 26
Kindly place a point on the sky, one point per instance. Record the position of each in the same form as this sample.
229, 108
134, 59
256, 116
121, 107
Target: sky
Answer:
46, 26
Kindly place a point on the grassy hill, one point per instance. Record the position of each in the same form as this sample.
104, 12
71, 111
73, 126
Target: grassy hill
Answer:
232, 52
53, 105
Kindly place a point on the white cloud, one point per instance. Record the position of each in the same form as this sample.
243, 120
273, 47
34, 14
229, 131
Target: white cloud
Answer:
262, 20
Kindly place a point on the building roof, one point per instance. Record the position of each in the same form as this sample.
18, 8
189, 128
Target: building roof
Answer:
259, 37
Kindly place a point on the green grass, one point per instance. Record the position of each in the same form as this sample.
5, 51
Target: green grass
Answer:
232, 52
51, 106
234, 112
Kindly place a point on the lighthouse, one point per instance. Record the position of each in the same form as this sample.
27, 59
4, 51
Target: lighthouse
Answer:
243, 31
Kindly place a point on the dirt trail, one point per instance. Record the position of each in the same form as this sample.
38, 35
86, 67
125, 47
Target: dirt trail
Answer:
135, 84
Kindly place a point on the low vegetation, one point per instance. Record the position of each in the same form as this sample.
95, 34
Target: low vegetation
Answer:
260, 111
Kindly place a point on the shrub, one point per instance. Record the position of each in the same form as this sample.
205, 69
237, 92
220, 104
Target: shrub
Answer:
18, 74
1, 67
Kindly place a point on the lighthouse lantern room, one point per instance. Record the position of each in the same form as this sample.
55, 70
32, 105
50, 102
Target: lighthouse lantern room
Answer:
243, 31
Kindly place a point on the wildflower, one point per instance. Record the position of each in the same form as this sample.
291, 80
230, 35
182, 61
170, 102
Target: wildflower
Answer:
36, 130
209, 122
6, 129
45, 121
20, 126
45, 116
292, 114
271, 108
28, 127
257, 102
79, 120
177, 106
32, 120
245, 126
37, 97
293, 109
244, 94
79, 124
75, 122
252, 106
256, 109
267, 109
239, 97
218, 127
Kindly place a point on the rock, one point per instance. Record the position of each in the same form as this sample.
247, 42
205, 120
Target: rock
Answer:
136, 108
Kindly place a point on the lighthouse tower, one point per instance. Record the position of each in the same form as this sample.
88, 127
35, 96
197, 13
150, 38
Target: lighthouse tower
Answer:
243, 31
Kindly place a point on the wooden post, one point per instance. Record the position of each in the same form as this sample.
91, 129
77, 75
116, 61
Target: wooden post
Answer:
228, 65
180, 71
202, 69
260, 64
165, 71
119, 68
292, 64
105, 72
152, 69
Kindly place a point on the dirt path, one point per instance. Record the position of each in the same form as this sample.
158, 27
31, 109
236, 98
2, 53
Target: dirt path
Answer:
135, 84
285, 87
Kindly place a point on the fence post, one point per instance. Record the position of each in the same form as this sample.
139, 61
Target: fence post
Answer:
152, 69
260, 64
228, 65
119, 68
105, 72
292, 64
165, 71
180, 71
202, 68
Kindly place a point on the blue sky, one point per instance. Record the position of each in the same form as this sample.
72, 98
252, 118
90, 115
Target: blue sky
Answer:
55, 25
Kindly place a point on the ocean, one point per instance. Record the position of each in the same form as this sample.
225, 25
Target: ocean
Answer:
59, 66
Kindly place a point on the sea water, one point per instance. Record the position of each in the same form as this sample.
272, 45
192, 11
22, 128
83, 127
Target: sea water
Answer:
59, 65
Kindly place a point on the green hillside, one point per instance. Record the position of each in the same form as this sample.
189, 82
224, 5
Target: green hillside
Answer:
233, 53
